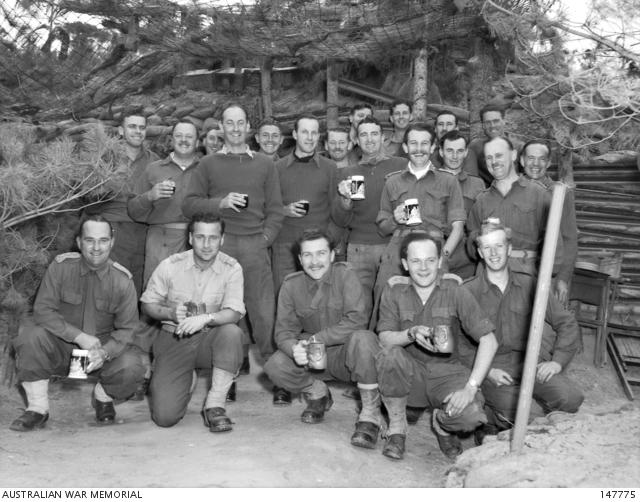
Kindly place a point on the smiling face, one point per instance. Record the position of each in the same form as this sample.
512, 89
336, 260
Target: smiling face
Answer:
269, 138
445, 123
422, 263
494, 248
212, 141
205, 239
235, 127
356, 117
306, 136
337, 145
453, 153
185, 139
95, 243
419, 148
500, 158
400, 117
370, 138
493, 124
316, 257
134, 130
535, 161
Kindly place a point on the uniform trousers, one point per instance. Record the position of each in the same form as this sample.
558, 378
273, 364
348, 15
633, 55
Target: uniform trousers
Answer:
366, 259
176, 358
162, 242
353, 361
558, 393
427, 385
252, 253
129, 249
41, 355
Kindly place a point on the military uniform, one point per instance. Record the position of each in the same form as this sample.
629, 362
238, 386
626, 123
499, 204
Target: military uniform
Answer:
175, 281
332, 311
74, 299
511, 313
428, 378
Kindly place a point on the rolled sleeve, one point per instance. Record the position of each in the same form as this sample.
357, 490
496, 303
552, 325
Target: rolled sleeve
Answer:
474, 321
388, 317
234, 292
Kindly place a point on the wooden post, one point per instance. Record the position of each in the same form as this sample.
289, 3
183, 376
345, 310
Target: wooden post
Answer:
420, 86
332, 94
537, 318
265, 86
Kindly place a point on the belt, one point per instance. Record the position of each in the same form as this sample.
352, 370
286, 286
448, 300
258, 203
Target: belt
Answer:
177, 226
523, 253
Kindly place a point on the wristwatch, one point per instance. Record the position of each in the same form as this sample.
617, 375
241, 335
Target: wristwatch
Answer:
211, 319
473, 383
411, 336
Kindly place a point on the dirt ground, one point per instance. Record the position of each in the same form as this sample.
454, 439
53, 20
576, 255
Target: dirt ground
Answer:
271, 447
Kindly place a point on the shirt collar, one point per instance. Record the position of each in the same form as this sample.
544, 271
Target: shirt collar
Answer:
487, 284
412, 171
100, 272
291, 158
216, 266
225, 151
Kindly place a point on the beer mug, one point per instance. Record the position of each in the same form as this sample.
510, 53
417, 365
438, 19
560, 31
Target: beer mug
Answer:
317, 355
79, 364
442, 339
412, 212
357, 187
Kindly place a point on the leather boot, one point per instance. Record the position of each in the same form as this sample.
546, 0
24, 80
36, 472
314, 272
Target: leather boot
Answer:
368, 425
316, 407
396, 435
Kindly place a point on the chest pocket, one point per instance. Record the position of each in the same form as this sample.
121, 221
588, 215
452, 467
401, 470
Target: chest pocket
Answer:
71, 297
442, 315
104, 306
435, 206
523, 221
515, 329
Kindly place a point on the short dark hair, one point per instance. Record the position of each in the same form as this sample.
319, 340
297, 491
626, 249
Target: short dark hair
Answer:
419, 126
235, 105
535, 142
397, 102
368, 120
205, 218
360, 106
446, 112
342, 130
303, 117
268, 121
491, 108
132, 112
312, 234
503, 138
454, 135
419, 235
184, 121
93, 217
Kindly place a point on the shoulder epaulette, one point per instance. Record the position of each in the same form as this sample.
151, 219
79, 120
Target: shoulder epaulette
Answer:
453, 277
398, 279
66, 256
174, 258
387, 176
122, 269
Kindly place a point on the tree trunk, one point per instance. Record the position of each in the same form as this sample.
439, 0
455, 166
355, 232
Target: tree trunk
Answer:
332, 94
265, 86
482, 75
420, 80
565, 167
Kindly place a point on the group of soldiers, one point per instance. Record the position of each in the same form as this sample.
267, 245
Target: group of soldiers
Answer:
410, 259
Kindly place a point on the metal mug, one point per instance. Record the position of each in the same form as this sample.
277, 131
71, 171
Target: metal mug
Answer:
79, 364
442, 339
317, 355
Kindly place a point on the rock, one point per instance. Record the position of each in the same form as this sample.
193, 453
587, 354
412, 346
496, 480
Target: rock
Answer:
183, 111
153, 120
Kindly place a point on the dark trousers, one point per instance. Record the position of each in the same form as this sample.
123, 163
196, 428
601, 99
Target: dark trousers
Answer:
353, 361
129, 249
176, 358
253, 255
283, 262
557, 394
41, 355
427, 385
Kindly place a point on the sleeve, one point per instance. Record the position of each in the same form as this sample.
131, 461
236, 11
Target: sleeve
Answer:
197, 198
385, 220
46, 309
234, 292
455, 207
472, 318
388, 315
125, 321
473, 226
354, 316
341, 216
288, 327
274, 212
140, 205
470, 165
157, 290
567, 332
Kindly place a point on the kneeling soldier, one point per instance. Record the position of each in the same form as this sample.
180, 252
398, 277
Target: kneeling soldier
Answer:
197, 295
85, 301
325, 303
